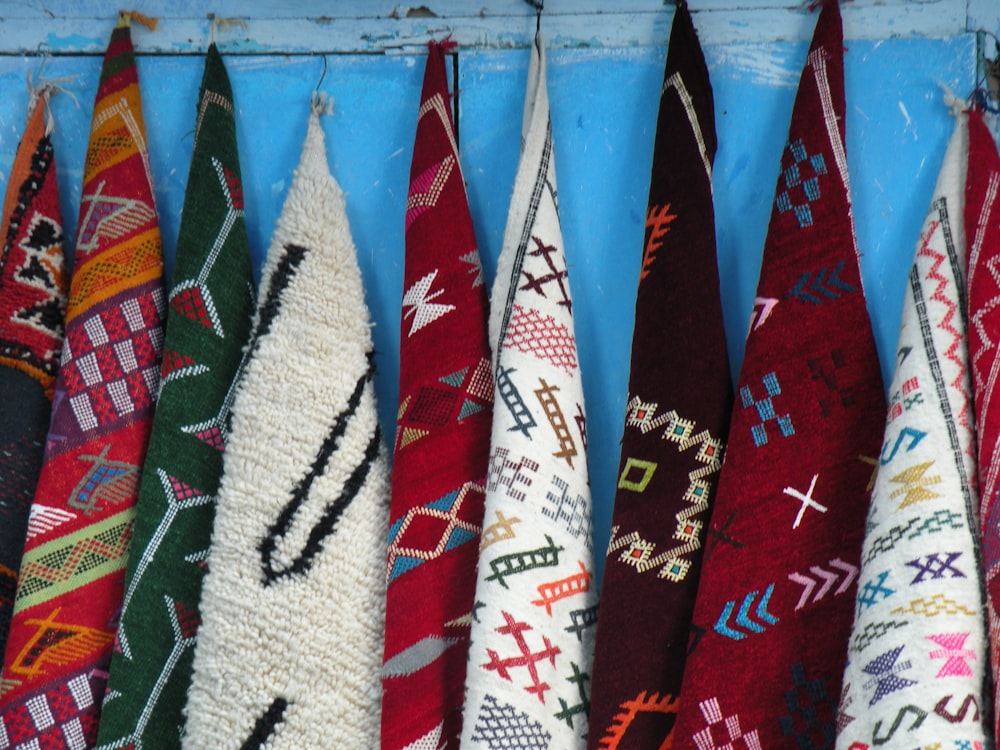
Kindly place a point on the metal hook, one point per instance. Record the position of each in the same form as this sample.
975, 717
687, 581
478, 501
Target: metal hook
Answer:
322, 75
539, 6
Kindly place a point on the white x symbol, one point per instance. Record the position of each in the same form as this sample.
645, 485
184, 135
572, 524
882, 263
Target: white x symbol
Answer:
807, 500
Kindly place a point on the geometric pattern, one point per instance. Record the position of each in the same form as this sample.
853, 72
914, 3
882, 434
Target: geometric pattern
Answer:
533, 618
426, 532
442, 440
106, 480
418, 299
808, 699
885, 670
194, 302
658, 220
765, 410
68, 562
192, 297
210, 309
643, 703
637, 483
800, 191
681, 432
467, 391
33, 286
503, 727
56, 644
780, 437
101, 417
178, 496
541, 335
100, 360
916, 486
33, 277
525, 657
555, 275
954, 653
54, 718
425, 190
110, 217
722, 729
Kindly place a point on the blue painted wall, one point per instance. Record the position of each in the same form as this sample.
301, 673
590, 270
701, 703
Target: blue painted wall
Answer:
604, 102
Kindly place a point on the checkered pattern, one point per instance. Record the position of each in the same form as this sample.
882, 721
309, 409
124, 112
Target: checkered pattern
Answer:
433, 406
103, 379
723, 732
799, 190
100, 422
55, 718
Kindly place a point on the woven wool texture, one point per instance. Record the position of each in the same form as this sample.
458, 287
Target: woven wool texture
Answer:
211, 306
982, 223
676, 422
775, 602
531, 649
442, 441
918, 646
293, 605
33, 285
73, 567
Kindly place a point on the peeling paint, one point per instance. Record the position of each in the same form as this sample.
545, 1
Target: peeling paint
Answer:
906, 115
769, 65
70, 42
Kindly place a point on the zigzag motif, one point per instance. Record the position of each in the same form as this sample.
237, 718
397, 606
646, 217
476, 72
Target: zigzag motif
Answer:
933, 524
873, 632
643, 703
688, 532
946, 325
112, 269
991, 266
985, 384
74, 560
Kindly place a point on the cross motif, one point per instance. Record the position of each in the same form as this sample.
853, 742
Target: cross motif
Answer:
555, 276
935, 567
873, 592
806, 500
526, 658
721, 534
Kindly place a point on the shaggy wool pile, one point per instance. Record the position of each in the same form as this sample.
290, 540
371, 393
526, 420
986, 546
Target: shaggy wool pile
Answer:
293, 605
